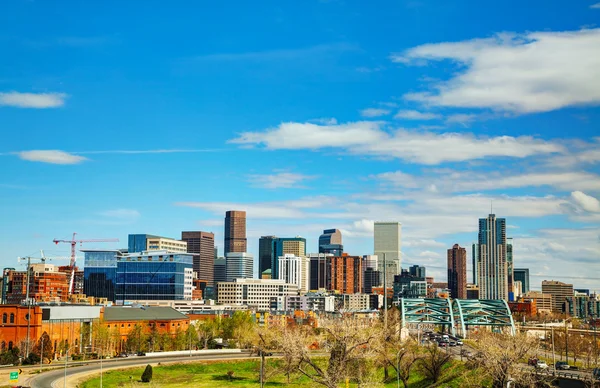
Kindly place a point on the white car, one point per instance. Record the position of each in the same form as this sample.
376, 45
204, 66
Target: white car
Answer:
541, 365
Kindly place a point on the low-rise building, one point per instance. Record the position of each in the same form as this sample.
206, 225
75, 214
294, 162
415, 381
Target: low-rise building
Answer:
543, 302
254, 293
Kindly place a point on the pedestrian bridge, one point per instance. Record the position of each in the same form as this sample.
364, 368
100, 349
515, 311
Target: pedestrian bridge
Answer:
456, 315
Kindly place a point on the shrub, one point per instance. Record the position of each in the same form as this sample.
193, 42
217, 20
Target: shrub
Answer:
147, 375
230, 375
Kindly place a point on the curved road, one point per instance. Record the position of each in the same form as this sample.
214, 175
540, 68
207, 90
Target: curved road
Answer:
54, 378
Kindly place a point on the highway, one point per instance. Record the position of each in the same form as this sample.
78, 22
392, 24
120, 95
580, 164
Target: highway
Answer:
54, 378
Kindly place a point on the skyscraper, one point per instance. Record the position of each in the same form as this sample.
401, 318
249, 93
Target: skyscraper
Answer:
509, 265
522, 275
457, 272
560, 292
331, 242
235, 231
202, 245
387, 248
320, 271
294, 270
346, 274
287, 245
266, 253
491, 254
474, 260
417, 271
239, 265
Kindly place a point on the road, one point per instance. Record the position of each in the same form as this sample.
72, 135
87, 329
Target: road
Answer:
55, 378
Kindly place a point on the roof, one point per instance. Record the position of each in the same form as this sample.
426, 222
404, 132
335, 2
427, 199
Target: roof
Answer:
144, 313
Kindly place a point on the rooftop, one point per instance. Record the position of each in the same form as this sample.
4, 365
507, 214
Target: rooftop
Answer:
144, 313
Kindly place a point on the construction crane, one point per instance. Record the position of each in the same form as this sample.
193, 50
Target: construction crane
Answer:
74, 243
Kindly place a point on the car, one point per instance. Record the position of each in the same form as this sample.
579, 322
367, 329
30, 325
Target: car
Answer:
532, 361
459, 343
561, 365
141, 354
540, 364
452, 343
442, 343
123, 355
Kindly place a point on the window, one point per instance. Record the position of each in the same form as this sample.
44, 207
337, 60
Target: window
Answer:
12, 318
10, 345
4, 318
3, 346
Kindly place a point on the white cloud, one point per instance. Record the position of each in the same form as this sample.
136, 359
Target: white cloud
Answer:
374, 112
285, 180
522, 73
595, 6
369, 138
587, 202
460, 118
416, 115
51, 156
33, 100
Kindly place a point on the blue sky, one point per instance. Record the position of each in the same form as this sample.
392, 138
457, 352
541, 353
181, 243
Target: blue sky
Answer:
147, 118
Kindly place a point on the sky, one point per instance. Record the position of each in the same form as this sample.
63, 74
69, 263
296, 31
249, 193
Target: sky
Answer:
155, 117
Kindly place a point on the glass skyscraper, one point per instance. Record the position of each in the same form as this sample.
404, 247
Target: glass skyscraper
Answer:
492, 268
100, 273
331, 242
522, 275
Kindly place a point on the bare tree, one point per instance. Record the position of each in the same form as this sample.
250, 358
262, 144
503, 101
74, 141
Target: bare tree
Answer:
433, 361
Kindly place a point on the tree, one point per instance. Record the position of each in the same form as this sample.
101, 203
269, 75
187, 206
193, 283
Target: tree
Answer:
10, 356
191, 335
136, 338
147, 375
208, 330
347, 341
433, 361
291, 342
43, 348
179, 340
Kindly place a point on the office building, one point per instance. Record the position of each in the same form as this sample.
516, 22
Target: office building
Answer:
491, 264
543, 302
235, 232
312, 301
220, 270
457, 272
254, 293
239, 265
46, 284
509, 265
320, 271
331, 242
559, 291
417, 271
472, 291
517, 288
474, 260
371, 275
387, 246
100, 272
266, 253
149, 242
295, 270
522, 275
346, 274
154, 275
202, 245
409, 286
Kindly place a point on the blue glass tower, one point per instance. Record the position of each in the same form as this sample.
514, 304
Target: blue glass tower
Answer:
100, 273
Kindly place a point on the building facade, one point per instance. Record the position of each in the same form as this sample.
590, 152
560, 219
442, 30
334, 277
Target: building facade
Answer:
387, 247
220, 273
522, 275
46, 284
457, 272
492, 267
346, 274
154, 275
100, 272
320, 271
543, 302
235, 232
331, 242
266, 253
202, 245
149, 242
239, 265
295, 270
417, 271
510, 268
254, 293
560, 292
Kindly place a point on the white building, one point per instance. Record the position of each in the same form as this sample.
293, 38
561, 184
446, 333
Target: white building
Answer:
156, 243
239, 265
387, 242
295, 270
318, 302
254, 293
188, 283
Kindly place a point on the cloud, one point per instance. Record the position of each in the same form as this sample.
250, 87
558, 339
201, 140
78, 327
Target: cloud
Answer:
521, 73
32, 100
460, 118
595, 6
416, 115
370, 138
587, 202
51, 156
374, 112
286, 180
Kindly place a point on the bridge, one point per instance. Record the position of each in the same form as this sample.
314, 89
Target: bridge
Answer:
457, 315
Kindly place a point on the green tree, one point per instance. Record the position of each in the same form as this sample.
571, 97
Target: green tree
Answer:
191, 335
209, 330
43, 348
136, 338
10, 356
147, 375
179, 340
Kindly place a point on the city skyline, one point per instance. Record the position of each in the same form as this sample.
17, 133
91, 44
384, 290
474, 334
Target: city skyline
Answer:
373, 113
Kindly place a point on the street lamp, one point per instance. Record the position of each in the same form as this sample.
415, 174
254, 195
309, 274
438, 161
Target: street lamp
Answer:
101, 357
398, 366
66, 363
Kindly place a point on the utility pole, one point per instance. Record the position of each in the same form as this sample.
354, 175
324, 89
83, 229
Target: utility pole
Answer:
385, 307
566, 342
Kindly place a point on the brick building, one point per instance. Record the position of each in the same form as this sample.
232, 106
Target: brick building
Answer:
346, 274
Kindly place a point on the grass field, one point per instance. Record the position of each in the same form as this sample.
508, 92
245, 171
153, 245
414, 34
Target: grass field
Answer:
214, 374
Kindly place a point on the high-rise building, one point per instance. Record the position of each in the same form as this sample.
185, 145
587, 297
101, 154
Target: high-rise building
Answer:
522, 275
100, 272
295, 270
492, 268
149, 242
331, 242
474, 260
560, 292
154, 275
240, 265
287, 246
346, 274
266, 253
220, 270
46, 284
457, 272
235, 231
417, 271
509, 265
371, 274
407, 285
387, 243
202, 245
542, 301
320, 271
